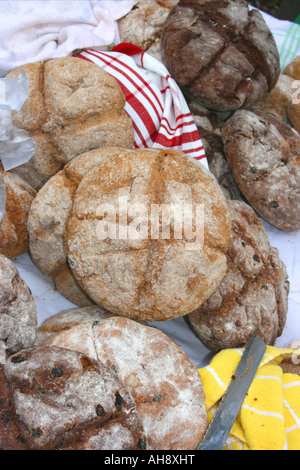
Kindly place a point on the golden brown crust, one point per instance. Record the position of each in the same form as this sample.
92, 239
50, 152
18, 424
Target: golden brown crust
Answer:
73, 106
294, 115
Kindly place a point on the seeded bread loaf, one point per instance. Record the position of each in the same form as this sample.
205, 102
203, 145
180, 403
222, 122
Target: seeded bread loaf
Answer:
209, 125
73, 106
56, 399
253, 295
264, 155
47, 220
165, 385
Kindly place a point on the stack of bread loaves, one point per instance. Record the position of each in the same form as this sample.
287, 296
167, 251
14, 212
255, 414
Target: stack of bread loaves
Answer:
132, 236
226, 62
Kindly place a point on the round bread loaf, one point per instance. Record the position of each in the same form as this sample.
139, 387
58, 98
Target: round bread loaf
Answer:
73, 106
56, 399
134, 261
264, 155
253, 295
13, 231
221, 54
18, 313
165, 385
47, 220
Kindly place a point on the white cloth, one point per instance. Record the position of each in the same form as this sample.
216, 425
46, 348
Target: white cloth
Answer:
36, 30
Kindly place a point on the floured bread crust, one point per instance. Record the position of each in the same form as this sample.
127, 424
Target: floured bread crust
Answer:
163, 382
291, 364
13, 231
73, 106
18, 313
253, 295
293, 68
56, 399
145, 276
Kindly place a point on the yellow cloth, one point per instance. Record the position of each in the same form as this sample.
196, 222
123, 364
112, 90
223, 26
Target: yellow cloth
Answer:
269, 418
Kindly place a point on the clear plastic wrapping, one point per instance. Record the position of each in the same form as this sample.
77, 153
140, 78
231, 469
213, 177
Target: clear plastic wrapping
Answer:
16, 146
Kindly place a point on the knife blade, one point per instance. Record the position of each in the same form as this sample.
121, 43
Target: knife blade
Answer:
233, 398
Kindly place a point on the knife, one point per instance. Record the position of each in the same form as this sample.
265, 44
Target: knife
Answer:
220, 426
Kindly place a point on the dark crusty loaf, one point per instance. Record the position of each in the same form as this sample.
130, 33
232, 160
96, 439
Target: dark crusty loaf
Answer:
264, 155
162, 380
291, 363
253, 295
221, 54
73, 106
56, 399
18, 313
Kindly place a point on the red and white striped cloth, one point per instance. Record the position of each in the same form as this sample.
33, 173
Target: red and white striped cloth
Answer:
157, 107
